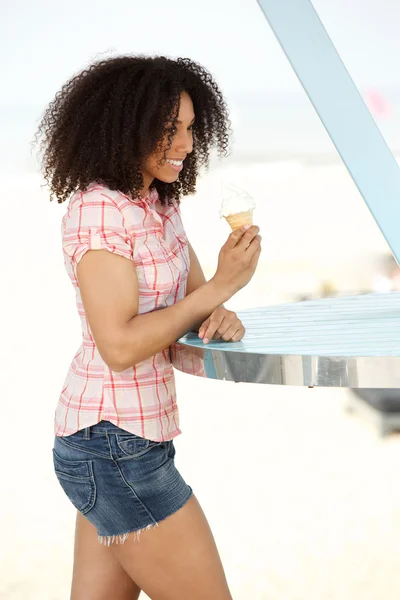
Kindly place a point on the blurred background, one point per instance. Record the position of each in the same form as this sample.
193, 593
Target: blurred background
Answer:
322, 495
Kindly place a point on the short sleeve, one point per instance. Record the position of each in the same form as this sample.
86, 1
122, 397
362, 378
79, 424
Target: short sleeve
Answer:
94, 222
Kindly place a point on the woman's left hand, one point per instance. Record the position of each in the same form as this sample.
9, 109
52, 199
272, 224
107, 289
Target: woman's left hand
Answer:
222, 324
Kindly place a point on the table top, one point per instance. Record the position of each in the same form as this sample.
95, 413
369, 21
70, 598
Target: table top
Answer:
351, 341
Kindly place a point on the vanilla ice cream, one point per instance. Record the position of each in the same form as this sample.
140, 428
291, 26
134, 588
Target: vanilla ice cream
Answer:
237, 206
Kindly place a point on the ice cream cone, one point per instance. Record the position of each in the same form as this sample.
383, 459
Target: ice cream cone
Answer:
238, 220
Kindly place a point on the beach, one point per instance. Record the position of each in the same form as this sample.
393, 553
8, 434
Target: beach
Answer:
302, 497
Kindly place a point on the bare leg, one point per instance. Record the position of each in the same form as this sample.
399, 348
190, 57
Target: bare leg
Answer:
177, 560
97, 574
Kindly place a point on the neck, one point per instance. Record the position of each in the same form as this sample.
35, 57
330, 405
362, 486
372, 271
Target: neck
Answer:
147, 181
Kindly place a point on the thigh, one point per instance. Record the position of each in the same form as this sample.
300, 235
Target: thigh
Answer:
176, 560
97, 574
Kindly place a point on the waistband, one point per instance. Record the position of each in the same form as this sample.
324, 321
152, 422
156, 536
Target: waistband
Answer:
101, 427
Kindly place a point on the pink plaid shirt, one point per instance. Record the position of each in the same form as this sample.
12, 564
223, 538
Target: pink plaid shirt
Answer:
141, 399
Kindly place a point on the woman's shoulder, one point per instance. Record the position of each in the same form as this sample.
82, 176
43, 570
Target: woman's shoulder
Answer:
98, 197
98, 193
99, 206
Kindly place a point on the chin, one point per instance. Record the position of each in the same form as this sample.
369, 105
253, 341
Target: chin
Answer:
168, 178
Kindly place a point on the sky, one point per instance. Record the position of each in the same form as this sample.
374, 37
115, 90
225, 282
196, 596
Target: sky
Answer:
44, 42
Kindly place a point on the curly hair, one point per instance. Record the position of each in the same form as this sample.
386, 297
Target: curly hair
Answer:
107, 120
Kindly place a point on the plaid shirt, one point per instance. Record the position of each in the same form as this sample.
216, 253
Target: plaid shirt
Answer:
141, 399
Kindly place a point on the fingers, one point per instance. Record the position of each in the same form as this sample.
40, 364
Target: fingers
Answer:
226, 318
254, 245
236, 236
255, 257
203, 328
211, 330
222, 324
223, 328
234, 333
247, 238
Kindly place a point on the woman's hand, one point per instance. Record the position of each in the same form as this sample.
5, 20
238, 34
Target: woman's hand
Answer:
222, 324
238, 259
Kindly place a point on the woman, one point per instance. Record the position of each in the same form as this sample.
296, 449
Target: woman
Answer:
124, 141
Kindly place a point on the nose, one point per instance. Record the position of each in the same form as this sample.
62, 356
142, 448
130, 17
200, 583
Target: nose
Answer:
183, 142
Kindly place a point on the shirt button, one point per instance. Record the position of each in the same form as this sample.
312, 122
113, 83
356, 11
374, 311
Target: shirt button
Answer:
94, 230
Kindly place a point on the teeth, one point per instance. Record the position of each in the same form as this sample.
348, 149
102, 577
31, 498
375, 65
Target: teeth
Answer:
176, 163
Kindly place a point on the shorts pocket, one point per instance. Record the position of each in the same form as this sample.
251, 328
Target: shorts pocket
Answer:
134, 446
171, 449
77, 480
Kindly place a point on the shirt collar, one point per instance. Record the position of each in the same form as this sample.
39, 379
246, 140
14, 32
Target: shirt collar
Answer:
151, 197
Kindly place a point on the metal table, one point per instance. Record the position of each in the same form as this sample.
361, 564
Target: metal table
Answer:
350, 342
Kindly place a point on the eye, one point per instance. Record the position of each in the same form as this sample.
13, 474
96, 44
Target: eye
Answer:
171, 129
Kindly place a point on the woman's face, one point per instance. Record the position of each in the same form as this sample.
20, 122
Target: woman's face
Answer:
181, 145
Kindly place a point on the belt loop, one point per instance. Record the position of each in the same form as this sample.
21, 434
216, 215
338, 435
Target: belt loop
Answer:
86, 433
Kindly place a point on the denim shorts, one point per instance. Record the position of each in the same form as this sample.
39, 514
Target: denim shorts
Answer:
120, 482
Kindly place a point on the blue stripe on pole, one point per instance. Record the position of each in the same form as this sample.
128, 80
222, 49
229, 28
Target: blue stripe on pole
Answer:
341, 109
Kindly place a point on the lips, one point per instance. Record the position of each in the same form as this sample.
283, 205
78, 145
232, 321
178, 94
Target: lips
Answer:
175, 164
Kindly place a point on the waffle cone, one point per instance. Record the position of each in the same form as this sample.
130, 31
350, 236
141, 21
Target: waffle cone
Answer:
237, 220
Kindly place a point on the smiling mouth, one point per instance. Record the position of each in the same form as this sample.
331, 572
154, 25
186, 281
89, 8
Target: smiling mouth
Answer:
176, 165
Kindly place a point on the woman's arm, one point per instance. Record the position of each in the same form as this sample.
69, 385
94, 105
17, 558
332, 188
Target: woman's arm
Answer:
196, 279
221, 324
110, 295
